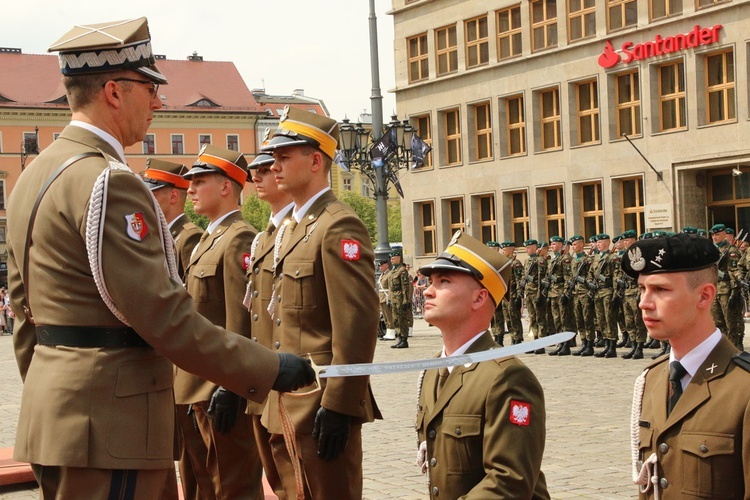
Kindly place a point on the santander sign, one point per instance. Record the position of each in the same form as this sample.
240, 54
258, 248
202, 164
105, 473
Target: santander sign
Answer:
630, 51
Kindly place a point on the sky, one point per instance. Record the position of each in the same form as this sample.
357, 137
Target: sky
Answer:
320, 46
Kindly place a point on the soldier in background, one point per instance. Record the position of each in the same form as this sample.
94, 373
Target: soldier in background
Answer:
727, 307
399, 283
498, 319
384, 295
533, 271
547, 326
633, 313
600, 281
583, 306
559, 272
618, 294
513, 302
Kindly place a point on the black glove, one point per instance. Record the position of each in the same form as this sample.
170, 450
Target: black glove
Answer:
517, 303
294, 372
735, 299
406, 307
331, 429
223, 410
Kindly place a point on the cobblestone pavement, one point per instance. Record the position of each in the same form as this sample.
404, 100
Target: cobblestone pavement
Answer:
588, 413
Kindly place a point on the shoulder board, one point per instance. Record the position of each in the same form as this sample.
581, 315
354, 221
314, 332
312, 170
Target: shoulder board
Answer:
660, 360
743, 360
114, 163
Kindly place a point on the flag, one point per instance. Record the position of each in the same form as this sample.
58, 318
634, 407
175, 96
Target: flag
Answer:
396, 183
384, 148
341, 160
419, 151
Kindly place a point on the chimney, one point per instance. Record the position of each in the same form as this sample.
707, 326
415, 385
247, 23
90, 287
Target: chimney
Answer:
298, 92
9, 50
195, 57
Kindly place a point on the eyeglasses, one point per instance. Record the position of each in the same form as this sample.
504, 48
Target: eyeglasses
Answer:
152, 91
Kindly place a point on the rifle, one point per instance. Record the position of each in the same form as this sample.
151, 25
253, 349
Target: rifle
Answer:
577, 278
740, 237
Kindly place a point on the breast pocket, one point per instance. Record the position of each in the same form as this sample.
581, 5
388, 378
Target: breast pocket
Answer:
298, 285
203, 283
462, 436
709, 464
141, 413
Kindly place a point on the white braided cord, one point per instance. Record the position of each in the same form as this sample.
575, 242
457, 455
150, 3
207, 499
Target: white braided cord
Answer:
247, 300
276, 253
646, 475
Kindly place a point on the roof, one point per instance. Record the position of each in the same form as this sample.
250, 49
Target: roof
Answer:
194, 85
274, 104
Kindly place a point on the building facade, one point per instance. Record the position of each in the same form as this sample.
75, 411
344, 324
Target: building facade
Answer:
573, 117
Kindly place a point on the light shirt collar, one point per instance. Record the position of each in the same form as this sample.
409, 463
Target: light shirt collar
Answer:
693, 360
216, 223
169, 226
279, 217
461, 350
300, 212
104, 135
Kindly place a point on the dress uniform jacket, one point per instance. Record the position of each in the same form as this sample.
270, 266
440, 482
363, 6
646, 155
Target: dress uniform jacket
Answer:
215, 279
485, 430
186, 236
326, 305
109, 408
703, 446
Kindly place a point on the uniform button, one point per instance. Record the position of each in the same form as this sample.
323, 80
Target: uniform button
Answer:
431, 434
255, 339
663, 448
458, 431
703, 448
201, 273
251, 391
663, 483
277, 344
278, 299
255, 293
296, 273
255, 317
256, 270
278, 321
281, 277
435, 491
433, 462
362, 402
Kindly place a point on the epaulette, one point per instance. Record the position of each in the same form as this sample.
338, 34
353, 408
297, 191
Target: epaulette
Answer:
659, 360
743, 360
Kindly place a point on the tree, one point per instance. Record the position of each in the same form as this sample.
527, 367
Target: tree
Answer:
199, 220
394, 222
365, 208
256, 211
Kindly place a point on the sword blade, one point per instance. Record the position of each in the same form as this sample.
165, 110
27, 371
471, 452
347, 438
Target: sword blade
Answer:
359, 369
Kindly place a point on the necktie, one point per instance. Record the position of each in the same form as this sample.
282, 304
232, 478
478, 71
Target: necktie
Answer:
442, 377
676, 372
270, 227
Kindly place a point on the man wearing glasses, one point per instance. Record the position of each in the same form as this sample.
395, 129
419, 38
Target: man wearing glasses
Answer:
93, 281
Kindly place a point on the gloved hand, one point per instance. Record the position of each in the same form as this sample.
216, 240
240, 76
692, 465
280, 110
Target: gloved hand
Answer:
223, 410
331, 429
294, 372
405, 307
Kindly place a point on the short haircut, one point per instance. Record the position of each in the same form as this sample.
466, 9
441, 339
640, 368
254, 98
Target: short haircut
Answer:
702, 276
81, 89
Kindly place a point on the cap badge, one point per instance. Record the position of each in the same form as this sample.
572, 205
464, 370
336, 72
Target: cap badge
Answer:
266, 134
284, 113
350, 250
520, 413
203, 148
136, 226
637, 262
456, 235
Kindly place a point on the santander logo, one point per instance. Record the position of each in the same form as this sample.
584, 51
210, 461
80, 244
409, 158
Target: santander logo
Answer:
630, 51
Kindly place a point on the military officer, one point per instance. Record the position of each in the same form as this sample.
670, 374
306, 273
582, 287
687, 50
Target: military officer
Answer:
533, 270
618, 294
512, 304
260, 285
399, 284
95, 348
600, 280
727, 307
690, 427
215, 278
548, 325
581, 295
384, 294
498, 319
633, 314
559, 272
481, 426
325, 304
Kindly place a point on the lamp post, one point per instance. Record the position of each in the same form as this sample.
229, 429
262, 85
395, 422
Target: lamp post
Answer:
29, 146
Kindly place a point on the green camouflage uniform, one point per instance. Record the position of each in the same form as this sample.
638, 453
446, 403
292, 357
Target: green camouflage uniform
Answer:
512, 306
727, 306
400, 286
600, 276
559, 273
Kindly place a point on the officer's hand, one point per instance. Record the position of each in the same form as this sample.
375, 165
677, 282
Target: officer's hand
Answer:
223, 410
294, 372
405, 307
331, 429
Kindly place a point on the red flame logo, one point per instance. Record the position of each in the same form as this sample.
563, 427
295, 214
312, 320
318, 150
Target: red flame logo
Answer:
609, 58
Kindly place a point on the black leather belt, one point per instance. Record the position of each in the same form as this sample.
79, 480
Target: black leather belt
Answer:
88, 336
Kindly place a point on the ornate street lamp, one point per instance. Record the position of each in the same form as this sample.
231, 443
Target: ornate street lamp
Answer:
29, 146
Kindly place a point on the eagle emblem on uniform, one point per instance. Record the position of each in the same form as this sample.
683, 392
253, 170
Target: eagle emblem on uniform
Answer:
520, 413
136, 226
637, 262
350, 249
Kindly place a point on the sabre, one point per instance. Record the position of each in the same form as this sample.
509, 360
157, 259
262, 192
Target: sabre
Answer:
359, 369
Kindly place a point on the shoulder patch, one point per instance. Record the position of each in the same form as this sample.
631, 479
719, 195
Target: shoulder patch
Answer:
350, 249
743, 360
136, 226
520, 413
246, 259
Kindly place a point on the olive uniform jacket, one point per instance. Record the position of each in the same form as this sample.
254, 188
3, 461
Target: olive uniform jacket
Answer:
703, 446
186, 236
109, 408
485, 430
326, 306
215, 279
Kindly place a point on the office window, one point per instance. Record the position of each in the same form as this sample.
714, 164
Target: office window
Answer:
549, 106
149, 144
2, 231
455, 215
587, 97
203, 139
720, 87
658, 9
509, 32
631, 194
233, 142
543, 24
418, 62
31, 143
347, 183
424, 131
709, 3
427, 213
446, 50
628, 104
516, 125
554, 212
672, 96
452, 126
519, 216
1, 142
487, 221
592, 211
177, 144
2, 199
581, 19
482, 131
621, 14
55, 136
477, 42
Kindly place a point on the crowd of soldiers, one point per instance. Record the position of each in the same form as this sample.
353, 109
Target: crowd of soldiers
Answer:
565, 287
